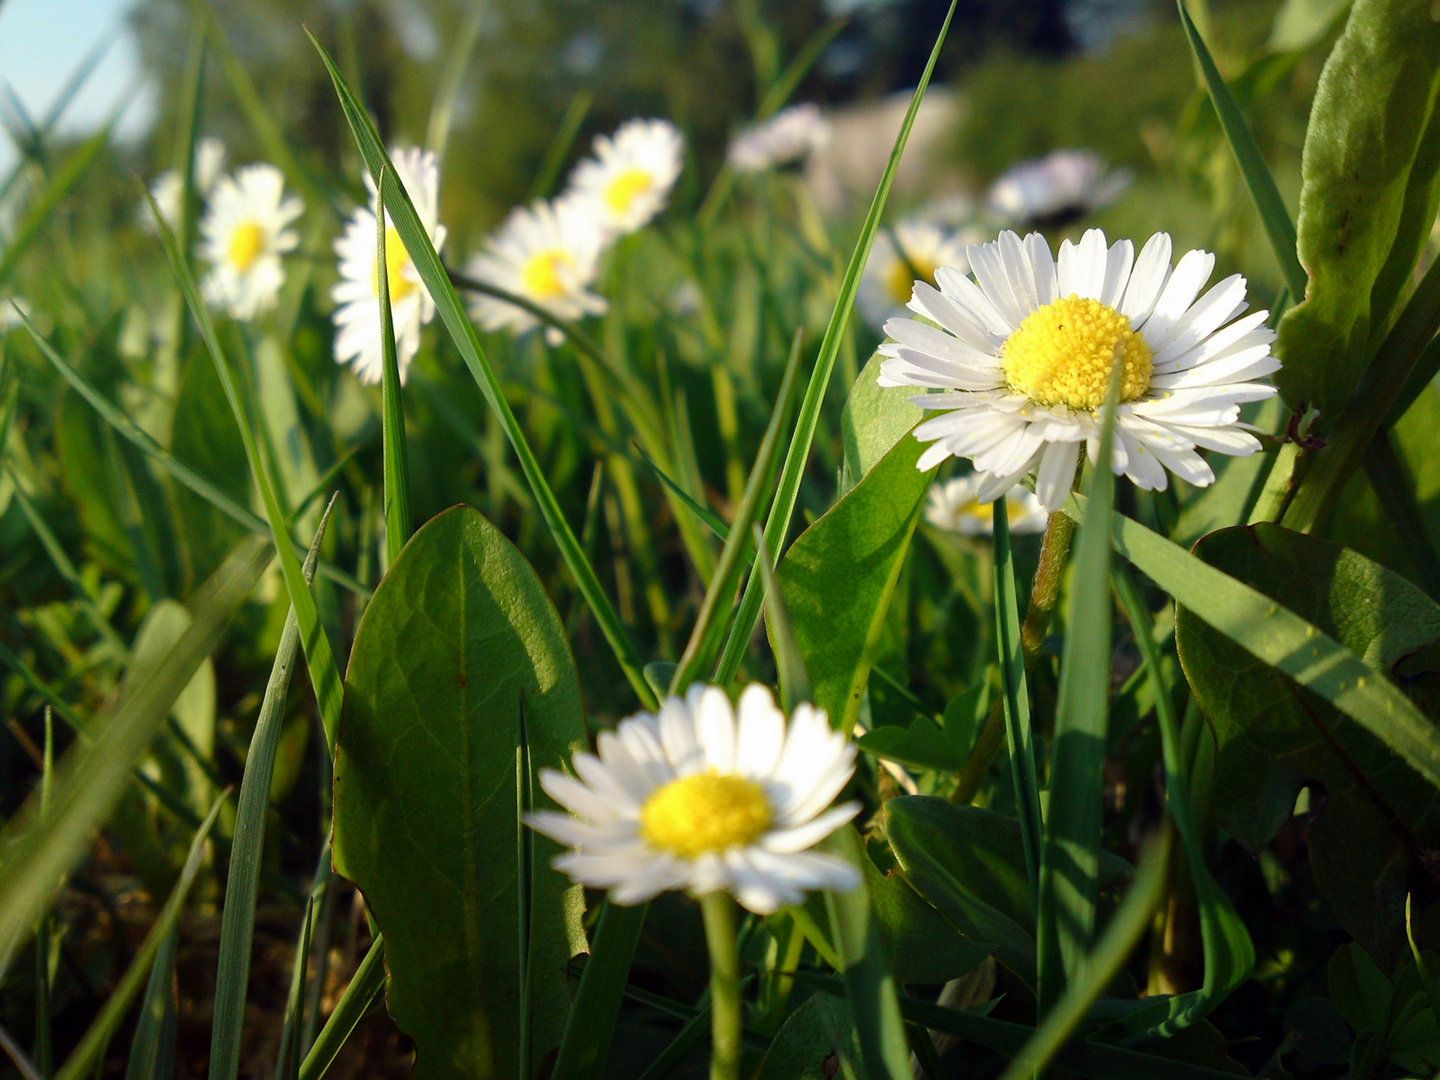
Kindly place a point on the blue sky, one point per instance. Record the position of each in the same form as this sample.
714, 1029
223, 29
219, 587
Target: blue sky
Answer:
42, 42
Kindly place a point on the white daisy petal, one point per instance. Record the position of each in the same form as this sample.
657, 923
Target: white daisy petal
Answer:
1151, 271
761, 734
989, 271
1057, 474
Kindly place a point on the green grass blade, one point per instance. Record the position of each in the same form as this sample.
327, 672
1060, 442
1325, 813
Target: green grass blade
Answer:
794, 680
90, 778
368, 980
397, 465
145, 1047
777, 525
1390, 476
185, 136
1070, 858
711, 520
55, 189
1015, 695
452, 313
86, 1056
525, 863
452, 74
127, 429
705, 637
1229, 953
287, 1059
1278, 226
559, 149
324, 675
1113, 949
1276, 636
687, 1039
237, 923
794, 72
591, 1025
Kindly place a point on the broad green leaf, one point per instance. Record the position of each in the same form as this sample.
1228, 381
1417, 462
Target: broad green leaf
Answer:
838, 577
924, 947
1273, 737
969, 864
1371, 108
84, 1060
237, 923
874, 419
797, 455
458, 633
36, 851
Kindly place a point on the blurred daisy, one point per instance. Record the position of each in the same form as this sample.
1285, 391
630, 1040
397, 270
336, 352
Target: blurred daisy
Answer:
546, 253
787, 137
357, 318
890, 272
689, 799
168, 188
245, 231
1054, 190
628, 180
1024, 361
953, 507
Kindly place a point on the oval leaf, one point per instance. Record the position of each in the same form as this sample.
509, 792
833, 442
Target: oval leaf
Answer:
458, 639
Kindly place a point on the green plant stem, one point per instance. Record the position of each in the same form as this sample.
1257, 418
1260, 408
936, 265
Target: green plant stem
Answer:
1044, 596
726, 1016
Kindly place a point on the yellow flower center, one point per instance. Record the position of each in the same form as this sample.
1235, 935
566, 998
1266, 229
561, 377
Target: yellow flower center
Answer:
703, 813
396, 260
1063, 354
625, 188
540, 274
900, 282
247, 241
983, 511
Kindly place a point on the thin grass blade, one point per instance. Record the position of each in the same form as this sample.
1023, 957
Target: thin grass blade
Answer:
559, 148
452, 74
287, 1059
777, 525
397, 465
1070, 856
367, 982
705, 637
1273, 215
591, 1025
452, 313
146, 1047
324, 675
86, 1056
237, 922
1015, 695
55, 189
789, 663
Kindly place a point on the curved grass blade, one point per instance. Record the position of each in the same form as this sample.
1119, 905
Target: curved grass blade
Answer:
324, 675
138, 437
1070, 856
777, 525
1015, 696
367, 981
397, 466
712, 521
1229, 953
237, 921
83, 1060
1279, 228
447, 302
1111, 952
705, 637
97, 766
1277, 636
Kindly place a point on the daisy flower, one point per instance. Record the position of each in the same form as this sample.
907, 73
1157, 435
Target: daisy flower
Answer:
546, 253
889, 273
1023, 360
245, 231
357, 318
628, 180
690, 799
788, 136
1056, 189
953, 507
168, 188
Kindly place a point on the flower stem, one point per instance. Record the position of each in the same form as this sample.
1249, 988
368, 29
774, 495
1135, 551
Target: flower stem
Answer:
1044, 596
725, 1012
